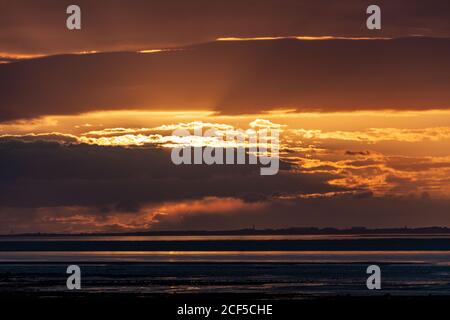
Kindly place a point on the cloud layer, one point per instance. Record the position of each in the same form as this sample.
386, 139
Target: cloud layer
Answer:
27, 26
235, 77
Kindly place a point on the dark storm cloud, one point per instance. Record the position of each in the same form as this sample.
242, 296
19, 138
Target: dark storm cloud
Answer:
236, 77
29, 26
48, 174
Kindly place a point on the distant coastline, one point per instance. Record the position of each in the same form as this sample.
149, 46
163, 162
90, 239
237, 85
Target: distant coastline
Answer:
257, 232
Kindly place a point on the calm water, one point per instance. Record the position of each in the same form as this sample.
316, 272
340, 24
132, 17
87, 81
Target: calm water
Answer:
299, 266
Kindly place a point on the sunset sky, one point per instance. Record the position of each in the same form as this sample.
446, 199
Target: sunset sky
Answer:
86, 116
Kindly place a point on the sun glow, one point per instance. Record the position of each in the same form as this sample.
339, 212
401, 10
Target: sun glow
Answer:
310, 38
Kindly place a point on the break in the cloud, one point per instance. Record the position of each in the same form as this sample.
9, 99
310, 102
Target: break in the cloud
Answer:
236, 77
31, 27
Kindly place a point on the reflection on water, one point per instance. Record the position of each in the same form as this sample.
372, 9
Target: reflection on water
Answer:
429, 257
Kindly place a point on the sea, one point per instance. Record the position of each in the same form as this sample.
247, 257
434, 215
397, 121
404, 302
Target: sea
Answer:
276, 266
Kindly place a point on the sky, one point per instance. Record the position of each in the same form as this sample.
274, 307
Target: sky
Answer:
87, 117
